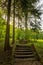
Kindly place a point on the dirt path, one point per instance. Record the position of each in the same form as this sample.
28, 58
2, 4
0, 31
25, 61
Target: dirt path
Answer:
28, 63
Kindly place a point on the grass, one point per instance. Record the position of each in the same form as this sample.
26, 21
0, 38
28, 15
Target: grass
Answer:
39, 48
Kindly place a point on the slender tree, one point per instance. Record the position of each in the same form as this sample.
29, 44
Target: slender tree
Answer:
7, 45
13, 40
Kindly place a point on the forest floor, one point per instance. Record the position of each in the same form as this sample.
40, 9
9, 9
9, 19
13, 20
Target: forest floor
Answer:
6, 57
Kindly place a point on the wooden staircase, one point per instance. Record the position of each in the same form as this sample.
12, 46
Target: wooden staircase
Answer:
24, 55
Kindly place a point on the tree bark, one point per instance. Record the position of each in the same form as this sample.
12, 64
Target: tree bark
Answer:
25, 26
7, 45
13, 40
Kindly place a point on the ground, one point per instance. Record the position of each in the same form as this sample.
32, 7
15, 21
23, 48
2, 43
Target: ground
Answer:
7, 60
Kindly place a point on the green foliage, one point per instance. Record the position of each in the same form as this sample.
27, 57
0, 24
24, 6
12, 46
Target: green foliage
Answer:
30, 34
2, 27
20, 34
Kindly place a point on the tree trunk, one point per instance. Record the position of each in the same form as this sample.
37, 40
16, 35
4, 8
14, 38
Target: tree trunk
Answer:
18, 18
26, 26
13, 40
7, 45
26, 21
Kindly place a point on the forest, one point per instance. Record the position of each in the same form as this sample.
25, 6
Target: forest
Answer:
20, 25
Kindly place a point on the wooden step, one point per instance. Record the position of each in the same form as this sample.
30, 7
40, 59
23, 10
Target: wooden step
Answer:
17, 48
23, 50
24, 56
22, 46
23, 53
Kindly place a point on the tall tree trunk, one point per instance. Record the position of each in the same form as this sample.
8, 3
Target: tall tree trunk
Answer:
18, 22
26, 21
7, 45
18, 17
13, 40
25, 26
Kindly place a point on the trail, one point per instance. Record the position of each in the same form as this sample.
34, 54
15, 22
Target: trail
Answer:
24, 55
